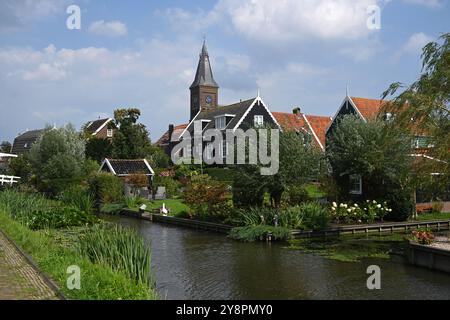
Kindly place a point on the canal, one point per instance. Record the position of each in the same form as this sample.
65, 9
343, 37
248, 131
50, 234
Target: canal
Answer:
190, 264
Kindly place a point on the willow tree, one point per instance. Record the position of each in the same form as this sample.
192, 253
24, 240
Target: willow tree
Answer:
423, 107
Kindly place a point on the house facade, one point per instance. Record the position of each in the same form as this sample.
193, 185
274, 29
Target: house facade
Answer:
100, 129
206, 111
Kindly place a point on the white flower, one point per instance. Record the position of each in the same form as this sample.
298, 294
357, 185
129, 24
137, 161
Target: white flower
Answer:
374, 201
367, 201
349, 210
341, 205
333, 208
345, 205
379, 206
356, 205
334, 204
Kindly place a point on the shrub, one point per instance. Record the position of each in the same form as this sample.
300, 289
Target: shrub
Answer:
315, 217
106, 188
254, 216
120, 248
292, 217
297, 194
79, 197
402, 205
172, 186
58, 217
37, 212
205, 197
261, 232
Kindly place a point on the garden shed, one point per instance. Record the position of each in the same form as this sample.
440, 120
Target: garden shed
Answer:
137, 175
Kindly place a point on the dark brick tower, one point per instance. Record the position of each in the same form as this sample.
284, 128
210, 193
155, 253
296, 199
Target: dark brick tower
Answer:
204, 89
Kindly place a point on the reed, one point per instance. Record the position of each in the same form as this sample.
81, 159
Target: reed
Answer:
120, 248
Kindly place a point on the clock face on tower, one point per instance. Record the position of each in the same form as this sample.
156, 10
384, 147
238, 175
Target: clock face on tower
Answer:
208, 99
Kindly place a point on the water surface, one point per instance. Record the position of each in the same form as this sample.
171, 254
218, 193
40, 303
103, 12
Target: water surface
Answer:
191, 264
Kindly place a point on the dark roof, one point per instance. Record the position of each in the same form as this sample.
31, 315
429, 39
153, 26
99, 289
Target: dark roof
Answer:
127, 167
177, 131
93, 126
23, 142
204, 75
237, 109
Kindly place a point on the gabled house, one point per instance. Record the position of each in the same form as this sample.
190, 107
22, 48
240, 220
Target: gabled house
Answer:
131, 172
366, 109
205, 109
101, 128
314, 126
23, 142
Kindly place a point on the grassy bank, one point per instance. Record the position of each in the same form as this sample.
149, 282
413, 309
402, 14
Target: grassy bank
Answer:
432, 216
98, 281
58, 235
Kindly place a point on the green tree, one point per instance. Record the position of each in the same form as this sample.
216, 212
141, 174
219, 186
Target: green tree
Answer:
131, 140
57, 159
299, 163
5, 147
423, 107
98, 149
377, 151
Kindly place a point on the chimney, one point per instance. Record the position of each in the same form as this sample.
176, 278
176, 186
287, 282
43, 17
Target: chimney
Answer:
297, 111
170, 132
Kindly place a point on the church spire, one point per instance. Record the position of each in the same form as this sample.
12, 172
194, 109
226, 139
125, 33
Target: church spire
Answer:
204, 75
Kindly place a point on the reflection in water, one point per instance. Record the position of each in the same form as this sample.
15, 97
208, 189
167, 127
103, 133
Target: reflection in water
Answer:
190, 264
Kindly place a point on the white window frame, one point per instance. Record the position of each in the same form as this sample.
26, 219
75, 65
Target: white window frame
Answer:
109, 133
258, 120
221, 122
353, 181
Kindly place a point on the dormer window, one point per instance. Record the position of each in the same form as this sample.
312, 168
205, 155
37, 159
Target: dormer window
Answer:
221, 122
258, 120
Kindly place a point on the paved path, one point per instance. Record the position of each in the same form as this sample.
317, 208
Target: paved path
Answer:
18, 279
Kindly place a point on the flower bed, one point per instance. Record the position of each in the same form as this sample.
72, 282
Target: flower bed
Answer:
369, 211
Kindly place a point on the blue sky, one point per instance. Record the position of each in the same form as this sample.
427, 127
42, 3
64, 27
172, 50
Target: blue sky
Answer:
144, 54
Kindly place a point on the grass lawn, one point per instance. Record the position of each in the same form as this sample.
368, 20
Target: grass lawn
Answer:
177, 206
432, 216
314, 191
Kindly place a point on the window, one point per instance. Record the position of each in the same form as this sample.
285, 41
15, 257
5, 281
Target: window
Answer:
355, 184
259, 120
187, 151
109, 133
221, 122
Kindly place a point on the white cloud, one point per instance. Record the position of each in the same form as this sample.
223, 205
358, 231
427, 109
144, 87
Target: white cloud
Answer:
287, 21
15, 14
416, 42
109, 28
412, 46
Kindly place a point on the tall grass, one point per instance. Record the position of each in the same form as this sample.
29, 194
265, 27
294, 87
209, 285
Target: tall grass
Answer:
37, 212
120, 248
78, 197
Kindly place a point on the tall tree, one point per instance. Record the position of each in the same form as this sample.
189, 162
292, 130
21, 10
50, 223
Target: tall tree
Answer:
377, 151
131, 140
424, 106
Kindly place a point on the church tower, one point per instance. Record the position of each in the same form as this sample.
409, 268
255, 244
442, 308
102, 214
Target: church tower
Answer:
204, 89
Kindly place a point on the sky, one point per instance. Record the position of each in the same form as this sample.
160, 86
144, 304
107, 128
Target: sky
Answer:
296, 53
